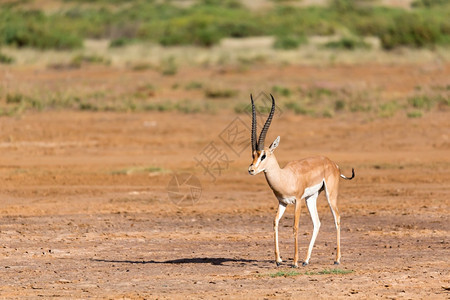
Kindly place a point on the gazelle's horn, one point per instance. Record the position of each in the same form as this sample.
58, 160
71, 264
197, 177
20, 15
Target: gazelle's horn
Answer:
253, 125
262, 136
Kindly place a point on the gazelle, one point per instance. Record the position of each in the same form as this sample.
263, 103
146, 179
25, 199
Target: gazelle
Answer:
300, 179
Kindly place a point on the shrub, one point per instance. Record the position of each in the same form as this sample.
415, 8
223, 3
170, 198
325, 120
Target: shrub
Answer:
6, 59
289, 42
14, 98
410, 30
422, 102
339, 105
343, 5
220, 93
206, 22
221, 3
347, 43
428, 3
34, 29
120, 42
200, 30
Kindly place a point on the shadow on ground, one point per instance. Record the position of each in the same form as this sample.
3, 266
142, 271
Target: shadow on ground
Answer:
218, 261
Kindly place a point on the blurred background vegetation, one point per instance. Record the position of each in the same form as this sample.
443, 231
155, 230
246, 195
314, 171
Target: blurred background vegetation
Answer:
167, 38
65, 24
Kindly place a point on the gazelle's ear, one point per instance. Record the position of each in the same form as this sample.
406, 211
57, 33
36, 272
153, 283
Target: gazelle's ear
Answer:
274, 144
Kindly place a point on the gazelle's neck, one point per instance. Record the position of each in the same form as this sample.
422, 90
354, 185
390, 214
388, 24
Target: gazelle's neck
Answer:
273, 174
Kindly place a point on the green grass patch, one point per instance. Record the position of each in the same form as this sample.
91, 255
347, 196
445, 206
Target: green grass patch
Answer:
241, 108
414, 114
188, 107
388, 109
14, 98
299, 109
328, 113
14, 103
220, 93
168, 66
317, 102
290, 273
289, 41
284, 274
281, 90
6, 59
421, 102
17, 103
439, 99
317, 92
359, 106
330, 272
161, 107
80, 59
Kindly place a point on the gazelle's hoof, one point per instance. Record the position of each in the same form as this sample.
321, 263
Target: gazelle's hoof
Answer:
305, 263
278, 263
295, 266
336, 263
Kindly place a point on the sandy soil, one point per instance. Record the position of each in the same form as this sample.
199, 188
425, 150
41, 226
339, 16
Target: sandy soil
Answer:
85, 211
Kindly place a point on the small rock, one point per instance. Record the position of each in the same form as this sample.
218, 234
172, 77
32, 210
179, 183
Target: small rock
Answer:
64, 281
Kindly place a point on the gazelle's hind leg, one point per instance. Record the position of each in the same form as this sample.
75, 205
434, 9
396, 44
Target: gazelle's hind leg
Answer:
311, 203
280, 212
332, 201
298, 208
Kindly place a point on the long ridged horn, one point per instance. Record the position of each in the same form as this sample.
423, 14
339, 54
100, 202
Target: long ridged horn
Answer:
262, 136
253, 125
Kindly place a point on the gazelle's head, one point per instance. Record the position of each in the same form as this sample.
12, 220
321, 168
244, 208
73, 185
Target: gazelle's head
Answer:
261, 155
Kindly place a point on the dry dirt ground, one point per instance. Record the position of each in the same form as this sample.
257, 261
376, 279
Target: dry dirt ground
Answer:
85, 212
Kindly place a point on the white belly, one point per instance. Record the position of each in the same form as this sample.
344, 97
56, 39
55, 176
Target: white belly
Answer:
309, 191
287, 200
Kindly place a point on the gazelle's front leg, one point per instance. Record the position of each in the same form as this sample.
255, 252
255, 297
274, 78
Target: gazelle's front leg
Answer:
298, 206
280, 212
311, 202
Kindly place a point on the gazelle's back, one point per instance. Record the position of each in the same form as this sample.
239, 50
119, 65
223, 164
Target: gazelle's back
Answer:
313, 169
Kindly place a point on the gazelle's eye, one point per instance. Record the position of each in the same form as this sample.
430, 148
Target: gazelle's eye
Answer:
262, 157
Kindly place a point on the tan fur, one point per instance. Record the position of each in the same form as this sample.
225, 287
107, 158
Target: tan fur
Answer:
300, 179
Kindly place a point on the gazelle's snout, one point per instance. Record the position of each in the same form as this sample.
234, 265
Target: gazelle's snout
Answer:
251, 170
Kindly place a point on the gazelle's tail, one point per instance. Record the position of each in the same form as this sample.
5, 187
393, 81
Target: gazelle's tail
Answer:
349, 178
